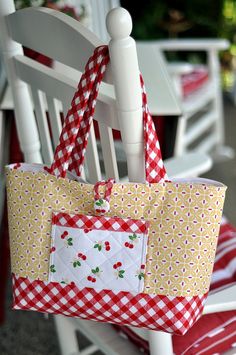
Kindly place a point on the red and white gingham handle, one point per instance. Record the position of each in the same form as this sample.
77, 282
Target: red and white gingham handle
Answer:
70, 152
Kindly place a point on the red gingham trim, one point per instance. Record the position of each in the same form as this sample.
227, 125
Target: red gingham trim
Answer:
78, 153
171, 314
86, 92
70, 151
154, 167
114, 224
109, 185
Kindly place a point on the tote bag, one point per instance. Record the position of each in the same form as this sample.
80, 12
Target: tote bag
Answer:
137, 254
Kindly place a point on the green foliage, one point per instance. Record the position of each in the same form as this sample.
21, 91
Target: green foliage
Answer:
171, 18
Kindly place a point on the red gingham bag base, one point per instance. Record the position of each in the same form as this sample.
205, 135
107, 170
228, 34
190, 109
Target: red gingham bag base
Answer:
137, 254
169, 314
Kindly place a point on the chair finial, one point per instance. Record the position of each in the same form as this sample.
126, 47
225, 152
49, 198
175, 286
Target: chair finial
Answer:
119, 23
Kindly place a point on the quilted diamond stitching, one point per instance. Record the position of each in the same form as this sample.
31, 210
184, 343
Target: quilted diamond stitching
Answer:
83, 242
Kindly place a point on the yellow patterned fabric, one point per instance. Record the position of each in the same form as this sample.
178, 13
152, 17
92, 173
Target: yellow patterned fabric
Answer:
184, 226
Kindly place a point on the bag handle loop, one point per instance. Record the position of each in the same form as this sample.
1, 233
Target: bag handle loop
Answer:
70, 152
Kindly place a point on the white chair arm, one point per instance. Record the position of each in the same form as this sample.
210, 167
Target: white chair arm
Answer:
180, 68
221, 301
188, 165
191, 44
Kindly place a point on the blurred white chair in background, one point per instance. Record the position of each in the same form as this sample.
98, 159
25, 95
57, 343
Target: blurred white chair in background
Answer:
201, 123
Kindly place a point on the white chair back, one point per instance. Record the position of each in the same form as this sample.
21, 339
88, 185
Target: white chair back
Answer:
65, 40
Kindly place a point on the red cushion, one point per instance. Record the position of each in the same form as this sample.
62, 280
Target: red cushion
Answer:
38, 56
212, 333
194, 81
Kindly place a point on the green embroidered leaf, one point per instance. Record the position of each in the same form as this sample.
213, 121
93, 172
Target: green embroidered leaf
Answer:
76, 263
97, 269
94, 271
121, 274
52, 268
99, 247
96, 245
70, 243
140, 275
132, 237
62, 282
97, 203
69, 239
101, 201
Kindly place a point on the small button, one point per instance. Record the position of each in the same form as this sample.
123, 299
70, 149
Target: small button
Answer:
101, 206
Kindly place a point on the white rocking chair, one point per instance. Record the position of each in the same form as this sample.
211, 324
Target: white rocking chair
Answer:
31, 27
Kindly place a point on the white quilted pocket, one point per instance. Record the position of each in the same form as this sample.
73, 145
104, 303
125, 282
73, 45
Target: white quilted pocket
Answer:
98, 252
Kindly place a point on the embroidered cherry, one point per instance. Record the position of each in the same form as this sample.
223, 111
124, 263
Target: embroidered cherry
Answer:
142, 267
77, 262
99, 245
134, 239
101, 206
87, 230
52, 249
107, 246
119, 264
119, 273
96, 272
16, 166
68, 240
82, 256
64, 235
